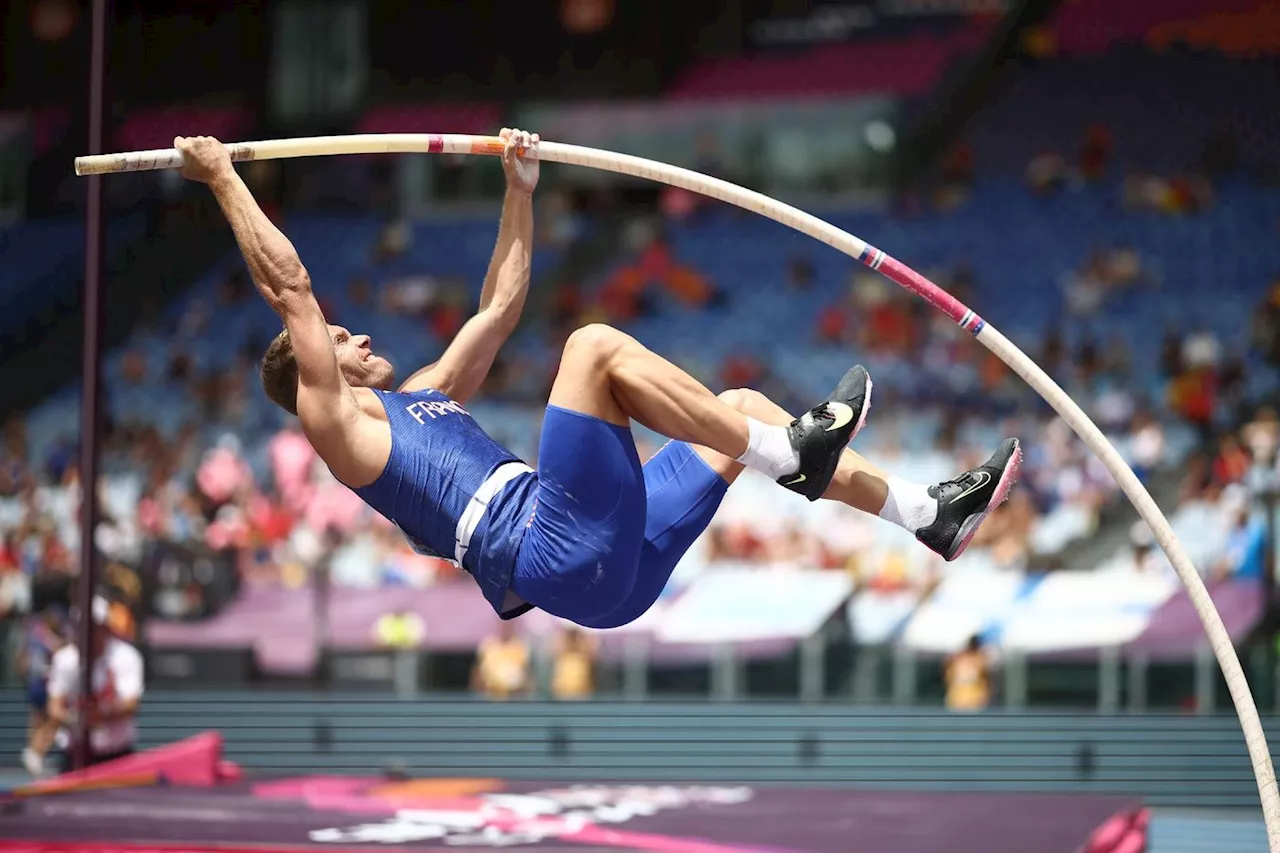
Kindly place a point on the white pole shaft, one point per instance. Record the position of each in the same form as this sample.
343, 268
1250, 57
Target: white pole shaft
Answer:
1250, 723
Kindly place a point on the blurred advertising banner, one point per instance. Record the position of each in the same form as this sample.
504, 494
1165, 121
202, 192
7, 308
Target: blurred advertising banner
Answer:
183, 583
829, 143
739, 604
1067, 612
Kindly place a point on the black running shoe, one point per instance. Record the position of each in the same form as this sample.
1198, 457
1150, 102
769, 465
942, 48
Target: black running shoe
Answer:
963, 503
820, 435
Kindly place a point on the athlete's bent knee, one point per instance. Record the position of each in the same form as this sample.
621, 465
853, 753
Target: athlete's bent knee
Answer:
595, 344
745, 400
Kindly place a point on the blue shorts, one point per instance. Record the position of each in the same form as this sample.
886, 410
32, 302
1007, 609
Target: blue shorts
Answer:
38, 695
607, 532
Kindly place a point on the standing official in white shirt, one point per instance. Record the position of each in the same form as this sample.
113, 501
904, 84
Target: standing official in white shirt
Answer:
117, 690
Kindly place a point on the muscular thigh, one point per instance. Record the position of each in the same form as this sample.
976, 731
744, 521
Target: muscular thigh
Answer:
583, 380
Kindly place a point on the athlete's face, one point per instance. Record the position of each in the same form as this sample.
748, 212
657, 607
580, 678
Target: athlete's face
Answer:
356, 360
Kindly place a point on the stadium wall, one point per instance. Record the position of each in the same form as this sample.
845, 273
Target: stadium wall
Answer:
1167, 759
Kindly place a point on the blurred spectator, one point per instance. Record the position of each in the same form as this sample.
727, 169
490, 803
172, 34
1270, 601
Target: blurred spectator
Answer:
223, 472
119, 620
110, 713
1262, 436
1171, 353
1193, 395
1197, 477
401, 629
412, 296
1184, 194
446, 316
573, 668
1117, 361
1054, 350
1232, 462
1146, 558
1232, 385
567, 304
1046, 173
46, 633
133, 368
1114, 407
392, 243
834, 322
1147, 446
968, 676
1104, 273
502, 665
557, 222
292, 458
1265, 331
742, 370
1201, 350
1123, 267
1246, 538
1086, 288
332, 505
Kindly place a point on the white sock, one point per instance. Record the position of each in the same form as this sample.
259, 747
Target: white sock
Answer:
769, 450
909, 505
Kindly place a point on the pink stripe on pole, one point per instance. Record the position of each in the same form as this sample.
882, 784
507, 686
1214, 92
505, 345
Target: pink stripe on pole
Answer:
904, 275
435, 143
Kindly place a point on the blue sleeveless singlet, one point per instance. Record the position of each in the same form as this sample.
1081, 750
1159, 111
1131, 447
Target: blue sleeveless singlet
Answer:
454, 492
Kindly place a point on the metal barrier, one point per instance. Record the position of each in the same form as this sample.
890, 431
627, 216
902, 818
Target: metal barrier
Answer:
1168, 759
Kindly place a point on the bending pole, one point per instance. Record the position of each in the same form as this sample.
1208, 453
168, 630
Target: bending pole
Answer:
91, 375
556, 152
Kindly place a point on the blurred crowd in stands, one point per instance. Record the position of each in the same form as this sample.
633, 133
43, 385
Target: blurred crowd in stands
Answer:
1201, 431
295, 514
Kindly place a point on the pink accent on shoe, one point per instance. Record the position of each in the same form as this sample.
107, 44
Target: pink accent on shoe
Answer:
1007, 480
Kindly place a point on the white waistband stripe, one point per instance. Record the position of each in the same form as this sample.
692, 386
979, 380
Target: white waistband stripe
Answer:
471, 516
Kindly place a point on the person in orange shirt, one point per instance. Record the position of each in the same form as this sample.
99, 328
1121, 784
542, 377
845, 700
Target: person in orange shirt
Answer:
968, 676
573, 676
502, 665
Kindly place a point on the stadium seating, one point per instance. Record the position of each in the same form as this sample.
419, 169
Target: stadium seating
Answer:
1212, 268
39, 253
1207, 272
1185, 100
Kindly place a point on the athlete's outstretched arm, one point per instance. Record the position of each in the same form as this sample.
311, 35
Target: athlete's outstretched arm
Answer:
462, 369
326, 403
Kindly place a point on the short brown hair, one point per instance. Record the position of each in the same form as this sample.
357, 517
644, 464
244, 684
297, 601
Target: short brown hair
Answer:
280, 373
